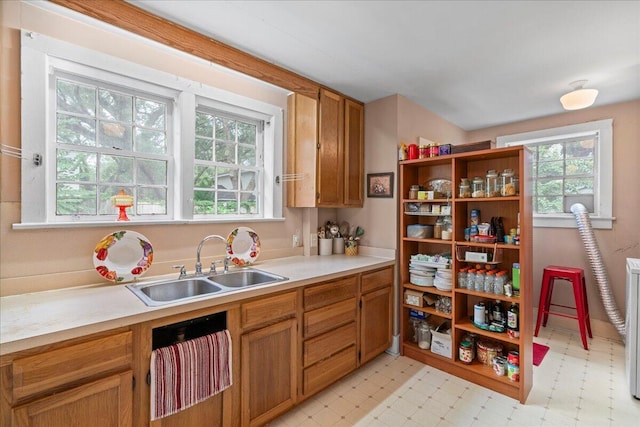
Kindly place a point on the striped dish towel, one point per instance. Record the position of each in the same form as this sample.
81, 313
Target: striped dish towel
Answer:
189, 372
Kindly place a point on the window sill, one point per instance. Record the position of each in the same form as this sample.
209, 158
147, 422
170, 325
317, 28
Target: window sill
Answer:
93, 224
569, 221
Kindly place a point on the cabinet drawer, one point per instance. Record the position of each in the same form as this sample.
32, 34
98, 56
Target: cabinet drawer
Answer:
323, 346
330, 292
329, 371
327, 318
266, 310
51, 369
377, 279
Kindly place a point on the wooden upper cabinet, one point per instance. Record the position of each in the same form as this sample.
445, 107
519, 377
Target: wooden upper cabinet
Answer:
330, 178
325, 151
353, 153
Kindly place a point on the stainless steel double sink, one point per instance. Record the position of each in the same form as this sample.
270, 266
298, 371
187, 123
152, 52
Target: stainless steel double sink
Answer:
168, 291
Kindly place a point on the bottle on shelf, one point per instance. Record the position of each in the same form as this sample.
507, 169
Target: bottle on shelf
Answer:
489, 278
513, 321
471, 279
499, 282
497, 313
479, 283
515, 278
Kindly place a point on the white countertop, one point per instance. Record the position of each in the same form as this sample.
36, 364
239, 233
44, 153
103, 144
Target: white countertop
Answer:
35, 319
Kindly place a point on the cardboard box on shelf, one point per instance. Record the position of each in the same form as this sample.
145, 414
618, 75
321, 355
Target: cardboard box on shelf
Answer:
441, 344
412, 297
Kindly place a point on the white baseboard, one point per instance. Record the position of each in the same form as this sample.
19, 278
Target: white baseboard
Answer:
394, 350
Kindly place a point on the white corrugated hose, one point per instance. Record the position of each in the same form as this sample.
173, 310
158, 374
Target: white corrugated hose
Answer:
599, 271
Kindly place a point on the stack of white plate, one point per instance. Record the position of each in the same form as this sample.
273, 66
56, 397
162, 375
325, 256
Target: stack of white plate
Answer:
421, 278
442, 281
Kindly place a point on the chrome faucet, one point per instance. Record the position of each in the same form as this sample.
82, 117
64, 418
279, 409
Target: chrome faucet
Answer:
199, 264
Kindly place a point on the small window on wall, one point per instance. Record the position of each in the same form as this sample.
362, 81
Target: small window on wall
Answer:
572, 164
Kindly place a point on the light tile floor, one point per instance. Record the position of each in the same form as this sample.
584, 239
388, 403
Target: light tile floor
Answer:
572, 387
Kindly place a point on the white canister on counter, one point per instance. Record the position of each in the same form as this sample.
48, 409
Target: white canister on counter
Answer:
325, 246
338, 245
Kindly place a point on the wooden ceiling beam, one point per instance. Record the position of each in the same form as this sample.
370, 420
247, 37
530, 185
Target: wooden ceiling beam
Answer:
138, 21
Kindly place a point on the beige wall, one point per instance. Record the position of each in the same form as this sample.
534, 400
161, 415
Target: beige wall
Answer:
389, 121
561, 246
45, 259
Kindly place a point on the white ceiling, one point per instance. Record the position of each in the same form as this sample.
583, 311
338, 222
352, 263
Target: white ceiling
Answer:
474, 63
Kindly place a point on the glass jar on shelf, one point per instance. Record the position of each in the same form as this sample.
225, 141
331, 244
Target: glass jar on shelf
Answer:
492, 187
414, 323
424, 336
465, 352
477, 187
465, 188
508, 183
413, 192
437, 228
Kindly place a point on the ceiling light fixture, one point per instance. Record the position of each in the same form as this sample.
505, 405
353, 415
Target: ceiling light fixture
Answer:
579, 97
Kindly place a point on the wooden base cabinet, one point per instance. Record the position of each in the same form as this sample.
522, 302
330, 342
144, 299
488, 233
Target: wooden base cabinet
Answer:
330, 333
376, 313
84, 382
502, 256
269, 358
103, 403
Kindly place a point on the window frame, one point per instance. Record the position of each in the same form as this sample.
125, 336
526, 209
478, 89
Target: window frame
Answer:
603, 169
40, 55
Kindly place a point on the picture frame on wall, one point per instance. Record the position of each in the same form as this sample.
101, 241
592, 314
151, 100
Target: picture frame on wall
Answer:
380, 184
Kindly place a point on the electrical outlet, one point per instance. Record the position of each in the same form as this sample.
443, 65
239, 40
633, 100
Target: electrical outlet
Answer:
313, 238
296, 241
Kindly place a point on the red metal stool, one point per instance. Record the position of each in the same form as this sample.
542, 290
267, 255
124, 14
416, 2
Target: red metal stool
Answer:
576, 277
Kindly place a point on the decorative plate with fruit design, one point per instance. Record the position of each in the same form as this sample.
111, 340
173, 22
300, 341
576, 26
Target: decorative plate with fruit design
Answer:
123, 256
243, 246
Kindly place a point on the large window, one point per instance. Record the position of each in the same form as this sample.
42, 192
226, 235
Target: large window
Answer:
109, 139
183, 150
572, 164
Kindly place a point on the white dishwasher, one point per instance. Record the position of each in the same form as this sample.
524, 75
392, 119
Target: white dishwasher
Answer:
632, 348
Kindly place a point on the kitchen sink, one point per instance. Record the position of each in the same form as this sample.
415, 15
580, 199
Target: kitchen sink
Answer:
160, 293
245, 277
168, 291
